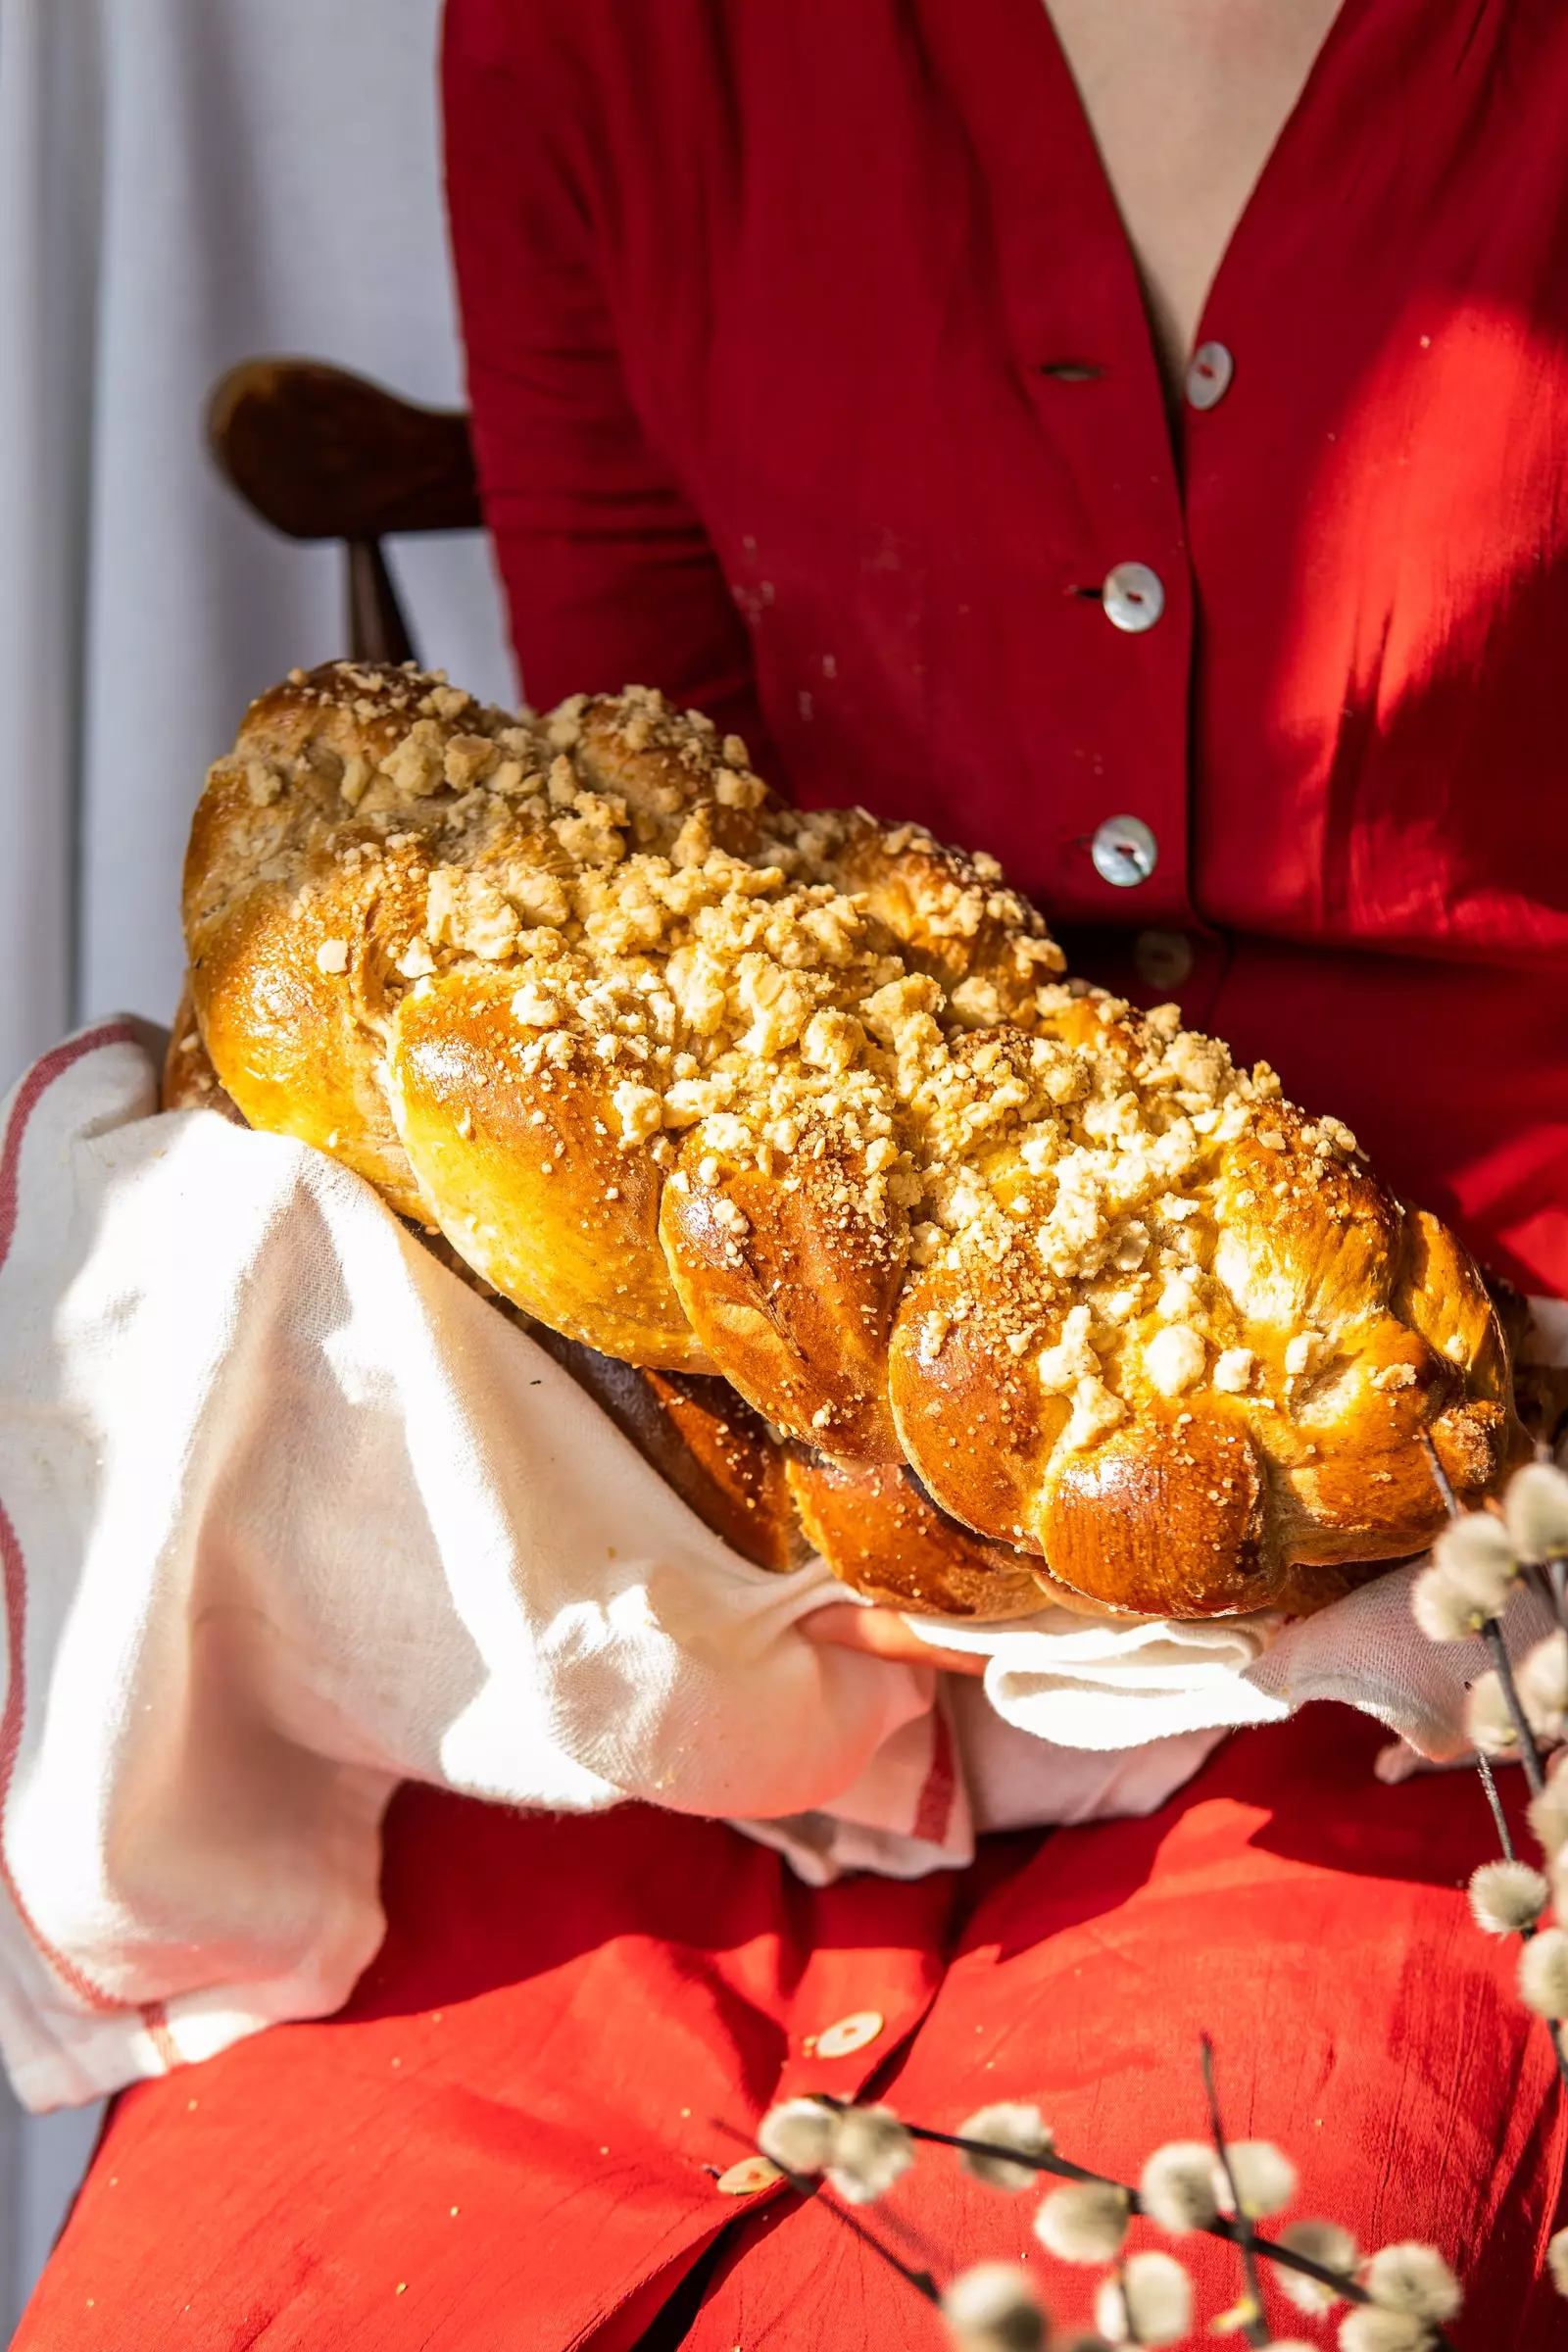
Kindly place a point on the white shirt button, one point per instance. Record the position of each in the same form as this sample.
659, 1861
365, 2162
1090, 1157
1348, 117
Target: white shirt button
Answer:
849, 2033
1134, 597
1124, 851
745, 2179
1162, 958
1208, 375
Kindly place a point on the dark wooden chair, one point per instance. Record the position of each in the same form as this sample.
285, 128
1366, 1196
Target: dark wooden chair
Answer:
321, 454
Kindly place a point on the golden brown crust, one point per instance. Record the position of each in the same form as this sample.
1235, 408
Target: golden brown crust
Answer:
887, 1539
517, 1154
874, 1527
795, 1291
1166, 1516
188, 1081
291, 938
701, 1081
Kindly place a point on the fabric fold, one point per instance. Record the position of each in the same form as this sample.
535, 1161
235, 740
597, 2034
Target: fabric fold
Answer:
288, 1514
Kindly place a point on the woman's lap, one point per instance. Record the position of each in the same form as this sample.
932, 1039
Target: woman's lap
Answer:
510, 2135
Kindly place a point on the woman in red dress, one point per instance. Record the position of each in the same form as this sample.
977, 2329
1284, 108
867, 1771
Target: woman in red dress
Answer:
1134, 441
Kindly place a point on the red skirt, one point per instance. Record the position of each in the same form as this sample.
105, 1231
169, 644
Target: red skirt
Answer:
511, 2134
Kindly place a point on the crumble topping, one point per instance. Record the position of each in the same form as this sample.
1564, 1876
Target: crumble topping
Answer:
844, 1006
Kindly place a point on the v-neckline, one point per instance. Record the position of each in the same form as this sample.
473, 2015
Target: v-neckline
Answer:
1276, 163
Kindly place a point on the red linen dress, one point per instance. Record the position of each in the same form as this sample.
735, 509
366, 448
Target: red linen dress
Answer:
812, 382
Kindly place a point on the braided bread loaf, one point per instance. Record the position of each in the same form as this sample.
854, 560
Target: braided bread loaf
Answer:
770, 1500
712, 1084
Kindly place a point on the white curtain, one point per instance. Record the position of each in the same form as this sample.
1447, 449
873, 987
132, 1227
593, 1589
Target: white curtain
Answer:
183, 183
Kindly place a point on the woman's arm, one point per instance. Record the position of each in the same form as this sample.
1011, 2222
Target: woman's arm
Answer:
882, 1633
609, 575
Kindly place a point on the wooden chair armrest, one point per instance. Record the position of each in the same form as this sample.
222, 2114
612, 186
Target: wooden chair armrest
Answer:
321, 454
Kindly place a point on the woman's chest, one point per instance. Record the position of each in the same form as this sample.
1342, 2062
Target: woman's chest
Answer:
1186, 99
888, 331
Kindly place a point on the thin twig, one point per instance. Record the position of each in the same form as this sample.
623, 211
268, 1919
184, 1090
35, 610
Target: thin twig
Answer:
1529, 1753
1440, 1478
1492, 1635
1490, 1785
1255, 2328
1063, 2168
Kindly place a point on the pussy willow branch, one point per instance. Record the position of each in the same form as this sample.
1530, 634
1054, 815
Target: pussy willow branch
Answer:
1529, 1753
1492, 1635
1489, 1783
1553, 1574
1255, 2327
1062, 2167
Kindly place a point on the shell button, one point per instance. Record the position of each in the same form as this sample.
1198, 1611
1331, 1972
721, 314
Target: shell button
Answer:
1208, 375
1134, 598
1124, 852
745, 2179
849, 2033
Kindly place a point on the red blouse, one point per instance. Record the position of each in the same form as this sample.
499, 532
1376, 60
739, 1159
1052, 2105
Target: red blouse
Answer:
812, 381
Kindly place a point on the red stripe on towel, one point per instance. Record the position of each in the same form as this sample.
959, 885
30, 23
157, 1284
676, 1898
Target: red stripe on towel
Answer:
29, 1094
155, 2017
934, 1811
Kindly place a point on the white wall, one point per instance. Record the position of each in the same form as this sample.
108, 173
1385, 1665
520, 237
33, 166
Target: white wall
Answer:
183, 183
42, 2157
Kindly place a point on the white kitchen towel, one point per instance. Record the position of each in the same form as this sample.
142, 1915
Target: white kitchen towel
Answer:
288, 1514
1084, 1684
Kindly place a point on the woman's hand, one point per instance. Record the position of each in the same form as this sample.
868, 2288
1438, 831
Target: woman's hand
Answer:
844, 1625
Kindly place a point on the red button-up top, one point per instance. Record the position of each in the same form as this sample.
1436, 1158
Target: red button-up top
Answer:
812, 381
